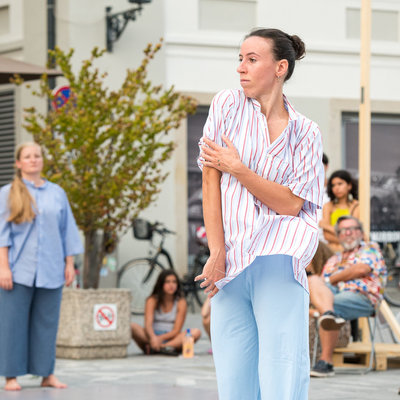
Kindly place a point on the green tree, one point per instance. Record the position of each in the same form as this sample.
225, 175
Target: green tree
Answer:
107, 148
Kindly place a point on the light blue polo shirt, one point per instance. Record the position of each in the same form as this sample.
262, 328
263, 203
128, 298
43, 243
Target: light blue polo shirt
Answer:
37, 249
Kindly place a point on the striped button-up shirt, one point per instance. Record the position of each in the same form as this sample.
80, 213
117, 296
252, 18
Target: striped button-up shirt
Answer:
294, 160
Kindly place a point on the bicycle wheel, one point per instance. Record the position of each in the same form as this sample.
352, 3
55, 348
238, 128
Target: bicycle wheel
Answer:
139, 276
392, 289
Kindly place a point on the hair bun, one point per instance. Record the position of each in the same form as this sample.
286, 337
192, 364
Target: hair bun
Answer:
299, 47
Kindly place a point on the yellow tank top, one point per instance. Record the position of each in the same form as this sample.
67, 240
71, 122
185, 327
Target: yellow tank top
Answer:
336, 214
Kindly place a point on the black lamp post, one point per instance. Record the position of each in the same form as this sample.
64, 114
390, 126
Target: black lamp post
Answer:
116, 23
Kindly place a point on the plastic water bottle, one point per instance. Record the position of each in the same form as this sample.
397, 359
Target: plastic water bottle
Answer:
188, 345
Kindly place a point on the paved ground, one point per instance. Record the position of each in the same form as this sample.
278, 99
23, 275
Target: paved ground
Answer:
164, 378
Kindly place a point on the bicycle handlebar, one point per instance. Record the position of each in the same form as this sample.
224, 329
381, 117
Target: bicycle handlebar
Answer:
162, 230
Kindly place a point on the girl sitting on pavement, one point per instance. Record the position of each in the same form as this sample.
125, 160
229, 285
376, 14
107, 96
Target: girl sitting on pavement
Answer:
164, 315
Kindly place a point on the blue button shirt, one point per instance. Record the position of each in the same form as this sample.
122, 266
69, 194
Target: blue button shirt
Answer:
37, 249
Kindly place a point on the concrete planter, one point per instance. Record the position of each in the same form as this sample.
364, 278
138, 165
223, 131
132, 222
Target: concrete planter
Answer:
94, 323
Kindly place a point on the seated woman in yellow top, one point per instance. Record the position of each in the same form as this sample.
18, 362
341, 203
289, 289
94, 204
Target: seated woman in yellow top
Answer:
343, 192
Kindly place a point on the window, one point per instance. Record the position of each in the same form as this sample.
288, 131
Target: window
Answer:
195, 208
384, 24
4, 20
385, 167
227, 15
7, 135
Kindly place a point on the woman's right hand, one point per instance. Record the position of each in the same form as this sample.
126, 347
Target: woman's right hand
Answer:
6, 278
213, 271
155, 343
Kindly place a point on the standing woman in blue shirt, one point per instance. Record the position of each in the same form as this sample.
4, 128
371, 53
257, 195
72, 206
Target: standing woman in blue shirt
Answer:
38, 239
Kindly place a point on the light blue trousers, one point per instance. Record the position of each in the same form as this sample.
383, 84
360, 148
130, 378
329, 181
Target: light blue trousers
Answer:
259, 333
28, 330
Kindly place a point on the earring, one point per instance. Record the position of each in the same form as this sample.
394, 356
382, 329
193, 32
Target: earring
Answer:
350, 197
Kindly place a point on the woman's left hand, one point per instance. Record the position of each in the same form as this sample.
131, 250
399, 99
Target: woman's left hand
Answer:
224, 159
69, 273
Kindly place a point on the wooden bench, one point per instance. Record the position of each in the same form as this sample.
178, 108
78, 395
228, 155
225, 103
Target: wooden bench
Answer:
362, 349
383, 351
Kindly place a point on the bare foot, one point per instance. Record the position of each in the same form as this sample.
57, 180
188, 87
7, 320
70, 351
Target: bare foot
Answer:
12, 384
52, 381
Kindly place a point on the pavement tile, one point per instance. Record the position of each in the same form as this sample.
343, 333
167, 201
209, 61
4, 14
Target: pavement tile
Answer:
166, 378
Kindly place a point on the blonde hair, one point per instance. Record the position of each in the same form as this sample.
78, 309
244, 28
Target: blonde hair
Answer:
22, 205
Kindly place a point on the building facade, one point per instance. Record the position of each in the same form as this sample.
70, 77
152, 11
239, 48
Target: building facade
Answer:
199, 57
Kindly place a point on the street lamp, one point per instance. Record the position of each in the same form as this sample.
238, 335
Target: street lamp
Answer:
116, 23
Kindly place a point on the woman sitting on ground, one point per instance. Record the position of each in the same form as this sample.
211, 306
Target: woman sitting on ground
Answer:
164, 315
343, 192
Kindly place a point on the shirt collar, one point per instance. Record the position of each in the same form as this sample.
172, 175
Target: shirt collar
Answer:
293, 114
32, 184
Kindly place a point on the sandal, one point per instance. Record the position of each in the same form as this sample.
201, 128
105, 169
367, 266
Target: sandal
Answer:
169, 351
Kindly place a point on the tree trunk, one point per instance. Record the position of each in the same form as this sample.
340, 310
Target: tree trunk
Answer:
92, 259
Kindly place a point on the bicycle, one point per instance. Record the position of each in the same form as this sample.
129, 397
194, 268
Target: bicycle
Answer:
140, 274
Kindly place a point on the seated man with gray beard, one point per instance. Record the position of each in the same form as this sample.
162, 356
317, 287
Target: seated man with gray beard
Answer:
350, 286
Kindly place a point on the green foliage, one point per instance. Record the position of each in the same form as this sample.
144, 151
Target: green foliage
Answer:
107, 148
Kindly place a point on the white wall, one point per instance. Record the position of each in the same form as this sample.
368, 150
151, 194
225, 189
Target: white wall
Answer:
201, 60
81, 25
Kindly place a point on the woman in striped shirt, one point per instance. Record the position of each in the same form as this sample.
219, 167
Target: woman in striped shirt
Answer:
262, 185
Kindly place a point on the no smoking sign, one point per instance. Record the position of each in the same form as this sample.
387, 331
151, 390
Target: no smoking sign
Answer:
105, 317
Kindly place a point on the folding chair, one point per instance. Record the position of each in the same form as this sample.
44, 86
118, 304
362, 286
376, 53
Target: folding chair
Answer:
366, 347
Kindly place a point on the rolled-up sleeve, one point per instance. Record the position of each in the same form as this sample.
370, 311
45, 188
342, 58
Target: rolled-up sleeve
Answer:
70, 235
5, 228
307, 178
217, 119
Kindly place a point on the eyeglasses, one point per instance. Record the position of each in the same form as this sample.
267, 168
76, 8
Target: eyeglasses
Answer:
350, 229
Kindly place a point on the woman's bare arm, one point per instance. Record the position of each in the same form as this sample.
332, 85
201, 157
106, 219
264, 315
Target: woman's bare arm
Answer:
325, 224
150, 307
214, 269
275, 196
69, 270
330, 237
5, 271
355, 211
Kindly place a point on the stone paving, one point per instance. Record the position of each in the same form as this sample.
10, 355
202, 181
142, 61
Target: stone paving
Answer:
165, 377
